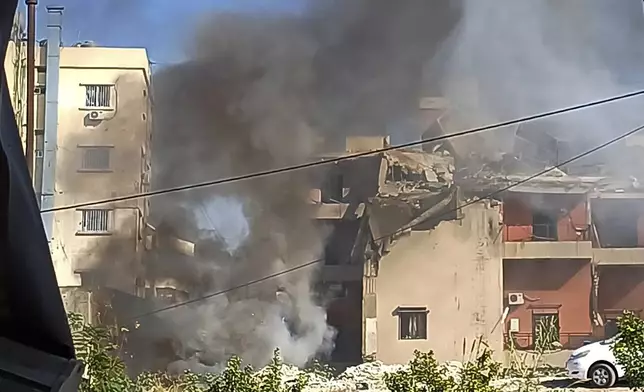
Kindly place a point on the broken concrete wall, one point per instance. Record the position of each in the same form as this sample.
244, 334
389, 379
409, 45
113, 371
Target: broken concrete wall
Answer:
455, 272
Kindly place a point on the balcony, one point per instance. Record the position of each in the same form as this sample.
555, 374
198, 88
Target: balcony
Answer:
548, 250
619, 256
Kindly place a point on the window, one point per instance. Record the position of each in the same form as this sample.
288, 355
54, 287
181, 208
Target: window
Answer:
95, 221
545, 328
544, 227
95, 158
98, 96
412, 323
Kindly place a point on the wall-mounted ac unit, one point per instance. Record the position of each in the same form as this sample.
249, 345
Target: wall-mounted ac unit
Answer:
514, 325
100, 115
515, 299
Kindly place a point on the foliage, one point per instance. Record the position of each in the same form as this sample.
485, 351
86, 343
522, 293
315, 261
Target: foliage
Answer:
234, 378
425, 374
629, 349
547, 334
479, 371
322, 370
105, 372
525, 367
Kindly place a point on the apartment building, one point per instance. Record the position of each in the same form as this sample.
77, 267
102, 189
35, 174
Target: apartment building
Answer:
92, 136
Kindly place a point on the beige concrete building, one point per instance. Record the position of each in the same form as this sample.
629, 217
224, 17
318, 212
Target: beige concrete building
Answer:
92, 135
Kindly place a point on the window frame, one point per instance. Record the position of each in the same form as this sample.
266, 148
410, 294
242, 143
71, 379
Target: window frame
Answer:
84, 148
109, 219
405, 314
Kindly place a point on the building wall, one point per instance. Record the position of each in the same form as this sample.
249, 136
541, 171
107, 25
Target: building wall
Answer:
621, 288
454, 271
554, 284
127, 135
518, 212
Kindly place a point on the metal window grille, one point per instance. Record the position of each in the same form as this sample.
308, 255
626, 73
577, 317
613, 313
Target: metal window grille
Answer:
98, 95
96, 158
95, 221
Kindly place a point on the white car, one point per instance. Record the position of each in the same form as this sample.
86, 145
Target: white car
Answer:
595, 362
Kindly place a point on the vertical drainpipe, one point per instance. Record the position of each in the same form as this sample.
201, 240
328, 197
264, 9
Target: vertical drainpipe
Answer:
54, 27
31, 74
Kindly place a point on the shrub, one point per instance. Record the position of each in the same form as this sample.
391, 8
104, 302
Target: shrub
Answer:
427, 375
478, 374
629, 349
95, 347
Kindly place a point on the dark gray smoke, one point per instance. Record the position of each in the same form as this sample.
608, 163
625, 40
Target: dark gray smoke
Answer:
260, 92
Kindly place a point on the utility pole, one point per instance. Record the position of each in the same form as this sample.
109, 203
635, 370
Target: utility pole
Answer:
31, 74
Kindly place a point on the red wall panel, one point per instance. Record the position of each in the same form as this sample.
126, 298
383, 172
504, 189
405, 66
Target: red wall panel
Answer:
517, 220
621, 288
563, 284
575, 218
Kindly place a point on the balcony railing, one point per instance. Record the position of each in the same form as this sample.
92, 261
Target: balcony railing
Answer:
568, 341
544, 232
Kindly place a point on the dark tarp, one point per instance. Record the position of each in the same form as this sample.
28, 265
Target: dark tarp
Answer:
33, 312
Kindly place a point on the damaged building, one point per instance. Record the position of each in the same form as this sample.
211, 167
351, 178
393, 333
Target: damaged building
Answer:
427, 273
451, 250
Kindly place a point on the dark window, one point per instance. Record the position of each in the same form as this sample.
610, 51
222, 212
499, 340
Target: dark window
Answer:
412, 323
545, 329
544, 227
610, 328
95, 221
98, 96
95, 158
332, 190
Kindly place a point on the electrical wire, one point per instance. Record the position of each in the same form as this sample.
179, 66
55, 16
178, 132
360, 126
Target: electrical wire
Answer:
307, 165
310, 263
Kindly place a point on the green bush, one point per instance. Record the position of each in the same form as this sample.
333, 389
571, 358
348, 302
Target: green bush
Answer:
478, 374
95, 346
427, 375
629, 349
105, 372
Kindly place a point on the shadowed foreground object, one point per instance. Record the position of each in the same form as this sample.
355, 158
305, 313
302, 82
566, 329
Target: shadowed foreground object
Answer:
36, 351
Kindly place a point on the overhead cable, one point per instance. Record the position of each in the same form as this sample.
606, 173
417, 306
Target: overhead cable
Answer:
307, 165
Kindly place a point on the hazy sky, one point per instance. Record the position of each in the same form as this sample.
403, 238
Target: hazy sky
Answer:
158, 25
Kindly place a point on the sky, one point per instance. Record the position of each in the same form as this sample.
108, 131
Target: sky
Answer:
158, 25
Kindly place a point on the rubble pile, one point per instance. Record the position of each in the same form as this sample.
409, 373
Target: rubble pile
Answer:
369, 377
365, 377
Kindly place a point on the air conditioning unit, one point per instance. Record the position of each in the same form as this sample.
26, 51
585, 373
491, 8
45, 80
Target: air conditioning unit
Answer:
515, 299
100, 115
514, 325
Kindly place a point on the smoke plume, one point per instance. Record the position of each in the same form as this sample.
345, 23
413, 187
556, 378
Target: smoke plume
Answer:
260, 92
514, 58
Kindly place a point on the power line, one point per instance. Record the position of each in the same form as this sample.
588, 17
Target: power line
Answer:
491, 194
347, 157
